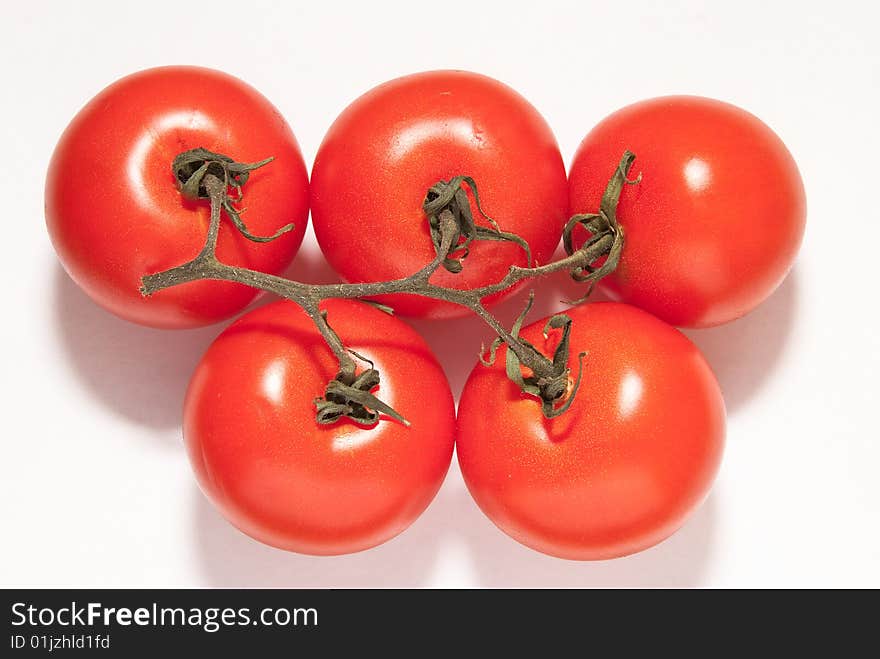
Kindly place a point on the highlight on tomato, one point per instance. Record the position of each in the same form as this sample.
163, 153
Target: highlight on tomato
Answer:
410, 141
318, 488
716, 219
632, 456
114, 209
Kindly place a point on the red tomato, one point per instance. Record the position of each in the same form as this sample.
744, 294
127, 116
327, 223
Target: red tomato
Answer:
279, 476
114, 211
716, 222
388, 147
624, 466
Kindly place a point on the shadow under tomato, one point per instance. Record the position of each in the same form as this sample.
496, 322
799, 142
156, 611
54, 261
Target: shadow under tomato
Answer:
229, 558
501, 562
453, 526
744, 353
138, 372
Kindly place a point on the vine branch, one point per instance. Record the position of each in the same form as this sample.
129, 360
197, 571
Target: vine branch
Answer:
204, 175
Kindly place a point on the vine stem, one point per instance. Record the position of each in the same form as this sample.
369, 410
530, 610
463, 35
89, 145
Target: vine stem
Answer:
206, 175
307, 296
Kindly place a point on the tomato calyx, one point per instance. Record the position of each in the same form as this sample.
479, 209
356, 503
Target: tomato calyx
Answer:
349, 394
601, 225
550, 381
192, 169
354, 400
450, 196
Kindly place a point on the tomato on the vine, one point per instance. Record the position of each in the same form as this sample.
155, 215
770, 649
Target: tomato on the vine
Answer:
388, 147
624, 466
114, 211
714, 224
282, 478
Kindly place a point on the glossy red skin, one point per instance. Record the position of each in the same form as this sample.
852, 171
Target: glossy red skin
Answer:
389, 146
114, 211
261, 458
621, 469
715, 224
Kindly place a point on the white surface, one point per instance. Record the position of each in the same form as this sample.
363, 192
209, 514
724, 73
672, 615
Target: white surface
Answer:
94, 485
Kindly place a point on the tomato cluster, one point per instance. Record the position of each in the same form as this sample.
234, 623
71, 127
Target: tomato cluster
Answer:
710, 226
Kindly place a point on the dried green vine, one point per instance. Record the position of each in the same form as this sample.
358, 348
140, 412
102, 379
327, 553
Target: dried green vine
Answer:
202, 174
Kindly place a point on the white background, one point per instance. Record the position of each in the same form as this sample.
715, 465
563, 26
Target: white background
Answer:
95, 488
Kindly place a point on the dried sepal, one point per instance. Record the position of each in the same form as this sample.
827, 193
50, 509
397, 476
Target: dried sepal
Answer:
451, 196
190, 169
